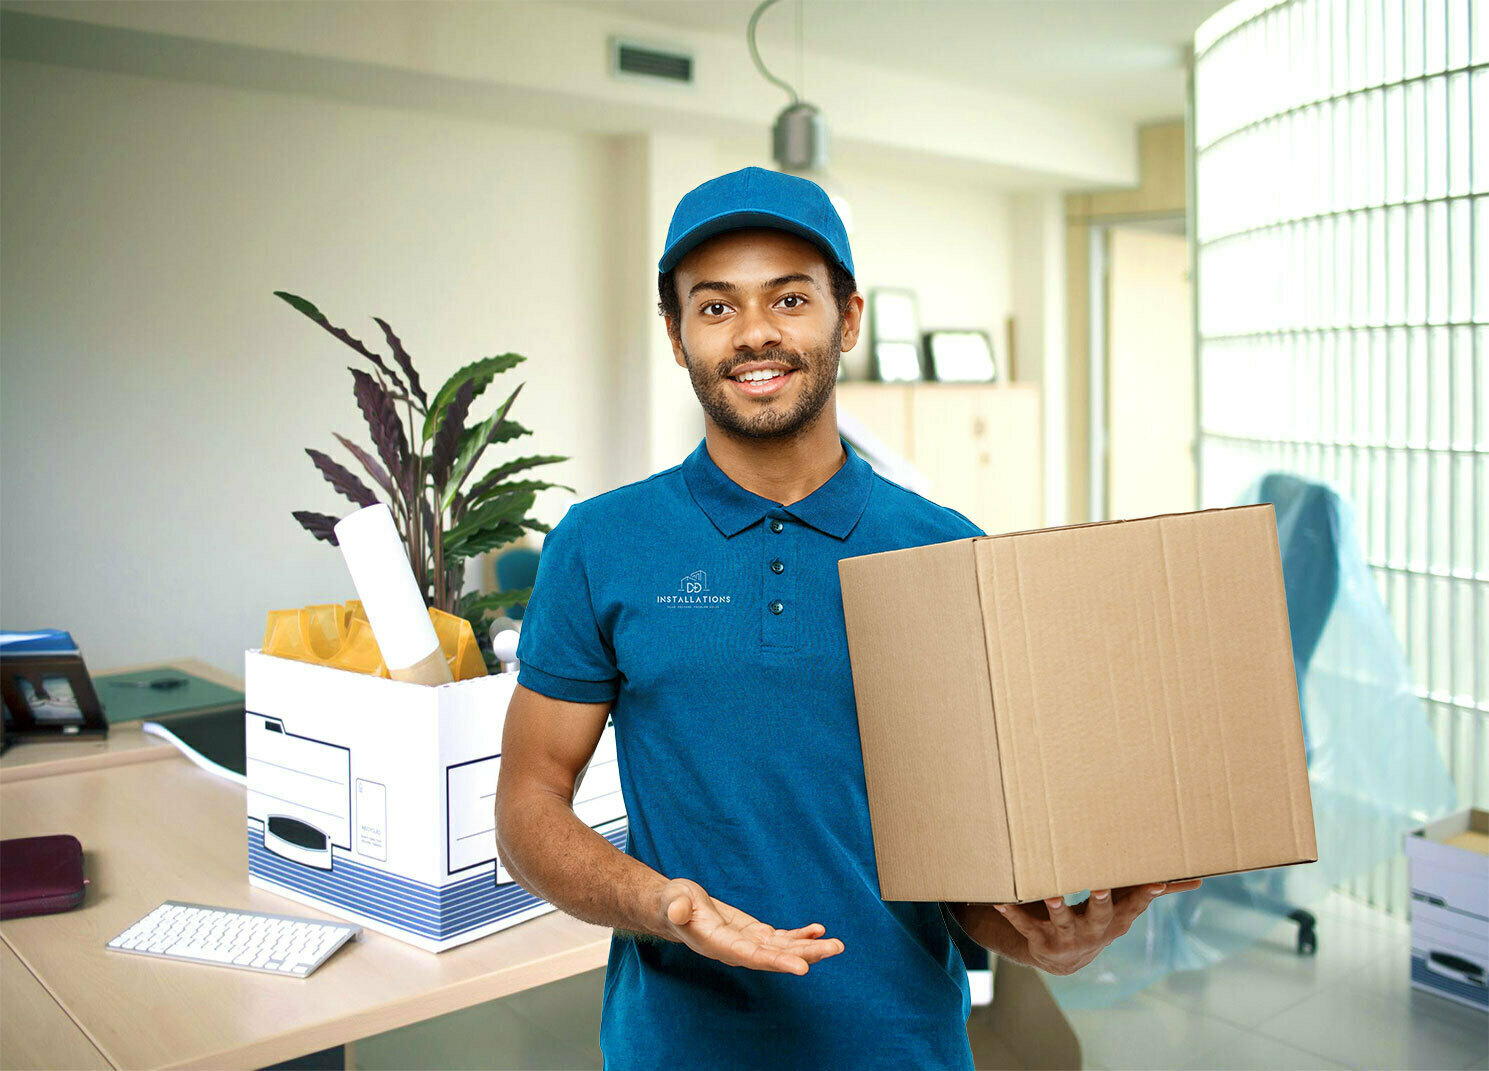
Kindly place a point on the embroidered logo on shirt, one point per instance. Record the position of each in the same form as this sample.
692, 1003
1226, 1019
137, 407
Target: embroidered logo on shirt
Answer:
692, 590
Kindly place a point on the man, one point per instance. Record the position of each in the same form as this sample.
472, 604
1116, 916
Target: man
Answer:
700, 610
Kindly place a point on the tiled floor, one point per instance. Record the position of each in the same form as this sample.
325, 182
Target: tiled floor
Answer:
1351, 1006
1347, 1007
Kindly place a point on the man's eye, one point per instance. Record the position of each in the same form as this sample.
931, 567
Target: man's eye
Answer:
712, 305
793, 297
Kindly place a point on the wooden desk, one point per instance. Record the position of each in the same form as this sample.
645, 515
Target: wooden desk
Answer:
165, 830
34, 1030
124, 744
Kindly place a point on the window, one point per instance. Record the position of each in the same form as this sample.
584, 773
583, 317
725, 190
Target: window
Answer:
1341, 215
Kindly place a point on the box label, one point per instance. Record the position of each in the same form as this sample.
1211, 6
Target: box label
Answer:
372, 819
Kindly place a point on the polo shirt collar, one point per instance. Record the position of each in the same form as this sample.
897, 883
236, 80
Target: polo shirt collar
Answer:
833, 508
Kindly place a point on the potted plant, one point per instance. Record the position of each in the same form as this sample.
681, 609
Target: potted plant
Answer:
424, 458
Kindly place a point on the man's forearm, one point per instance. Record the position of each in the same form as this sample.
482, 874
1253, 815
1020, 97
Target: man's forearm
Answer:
553, 855
992, 931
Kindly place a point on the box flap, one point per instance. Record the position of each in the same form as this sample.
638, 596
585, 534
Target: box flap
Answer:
929, 751
1453, 842
1157, 648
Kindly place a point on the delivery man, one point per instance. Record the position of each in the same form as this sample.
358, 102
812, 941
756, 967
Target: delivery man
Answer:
699, 609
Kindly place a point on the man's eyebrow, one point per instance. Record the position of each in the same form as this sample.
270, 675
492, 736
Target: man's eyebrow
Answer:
730, 288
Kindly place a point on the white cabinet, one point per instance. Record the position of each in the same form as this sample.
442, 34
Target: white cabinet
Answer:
979, 444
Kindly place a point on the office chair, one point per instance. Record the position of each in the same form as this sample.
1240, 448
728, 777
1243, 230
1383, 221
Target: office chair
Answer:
1308, 528
1308, 538
516, 568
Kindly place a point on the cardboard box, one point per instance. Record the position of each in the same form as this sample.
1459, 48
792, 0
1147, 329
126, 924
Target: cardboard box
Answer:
1075, 708
1449, 864
374, 799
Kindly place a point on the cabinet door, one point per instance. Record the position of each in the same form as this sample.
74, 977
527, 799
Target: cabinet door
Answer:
980, 447
884, 408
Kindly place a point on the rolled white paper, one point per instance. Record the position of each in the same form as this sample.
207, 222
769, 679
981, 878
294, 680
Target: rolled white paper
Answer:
380, 569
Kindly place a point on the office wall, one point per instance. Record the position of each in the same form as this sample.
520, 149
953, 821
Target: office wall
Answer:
156, 399
947, 239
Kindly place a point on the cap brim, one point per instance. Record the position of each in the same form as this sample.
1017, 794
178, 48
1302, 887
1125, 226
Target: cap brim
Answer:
731, 221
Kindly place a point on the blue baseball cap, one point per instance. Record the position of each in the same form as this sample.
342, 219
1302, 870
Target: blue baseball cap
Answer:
756, 197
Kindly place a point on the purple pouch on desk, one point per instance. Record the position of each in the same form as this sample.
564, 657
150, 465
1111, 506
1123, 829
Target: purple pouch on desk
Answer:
40, 875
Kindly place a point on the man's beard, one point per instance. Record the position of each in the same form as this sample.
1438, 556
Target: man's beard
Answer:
767, 420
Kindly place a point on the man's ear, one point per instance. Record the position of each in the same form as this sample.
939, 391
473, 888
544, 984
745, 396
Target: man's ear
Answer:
676, 340
852, 321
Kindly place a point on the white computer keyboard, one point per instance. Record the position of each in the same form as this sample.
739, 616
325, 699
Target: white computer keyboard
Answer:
226, 937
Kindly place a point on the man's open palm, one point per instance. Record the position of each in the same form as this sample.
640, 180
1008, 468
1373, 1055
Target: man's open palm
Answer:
714, 929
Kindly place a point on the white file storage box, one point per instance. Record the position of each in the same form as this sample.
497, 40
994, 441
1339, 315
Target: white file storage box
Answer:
374, 800
1449, 865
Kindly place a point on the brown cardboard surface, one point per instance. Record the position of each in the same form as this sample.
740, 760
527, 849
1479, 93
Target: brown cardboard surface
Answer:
921, 674
1073, 708
1470, 841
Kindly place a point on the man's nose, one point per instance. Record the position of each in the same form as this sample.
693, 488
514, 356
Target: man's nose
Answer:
755, 330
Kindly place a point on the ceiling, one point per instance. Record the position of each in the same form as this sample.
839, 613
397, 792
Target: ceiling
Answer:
1120, 58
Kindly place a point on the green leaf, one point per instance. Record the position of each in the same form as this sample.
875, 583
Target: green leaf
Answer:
497, 600
501, 472
507, 430
512, 488
472, 443
479, 374
500, 509
485, 539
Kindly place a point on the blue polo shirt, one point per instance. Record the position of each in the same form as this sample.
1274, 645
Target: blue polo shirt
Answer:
713, 619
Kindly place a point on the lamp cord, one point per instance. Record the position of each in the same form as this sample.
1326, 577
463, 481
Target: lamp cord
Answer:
755, 54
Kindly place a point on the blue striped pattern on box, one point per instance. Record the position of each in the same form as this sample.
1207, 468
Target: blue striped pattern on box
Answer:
433, 911
1420, 972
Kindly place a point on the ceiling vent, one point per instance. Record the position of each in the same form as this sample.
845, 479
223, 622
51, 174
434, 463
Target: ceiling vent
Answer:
631, 59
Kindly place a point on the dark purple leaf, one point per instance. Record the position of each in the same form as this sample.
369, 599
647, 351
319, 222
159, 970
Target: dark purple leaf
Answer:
447, 439
342, 480
401, 356
381, 414
377, 472
319, 525
309, 310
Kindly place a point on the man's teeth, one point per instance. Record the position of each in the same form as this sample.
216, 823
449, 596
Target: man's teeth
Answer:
756, 377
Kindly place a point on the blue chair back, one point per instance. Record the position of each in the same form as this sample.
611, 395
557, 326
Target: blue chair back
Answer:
1308, 538
516, 568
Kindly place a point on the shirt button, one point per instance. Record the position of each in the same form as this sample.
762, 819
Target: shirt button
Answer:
775, 525
777, 566
776, 606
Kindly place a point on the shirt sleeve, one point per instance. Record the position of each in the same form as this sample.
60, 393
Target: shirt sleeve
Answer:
561, 650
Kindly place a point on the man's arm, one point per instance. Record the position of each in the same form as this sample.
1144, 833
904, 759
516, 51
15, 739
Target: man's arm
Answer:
986, 926
546, 744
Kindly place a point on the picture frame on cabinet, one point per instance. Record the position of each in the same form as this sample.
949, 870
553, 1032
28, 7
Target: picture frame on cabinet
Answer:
894, 336
960, 355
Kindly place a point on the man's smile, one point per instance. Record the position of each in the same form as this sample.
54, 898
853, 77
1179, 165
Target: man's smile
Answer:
763, 383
